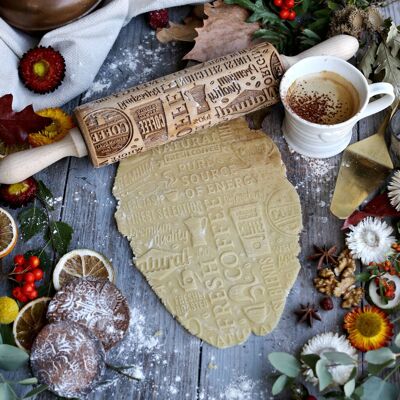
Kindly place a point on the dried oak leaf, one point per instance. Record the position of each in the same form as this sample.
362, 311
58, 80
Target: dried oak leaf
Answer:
225, 31
15, 126
185, 32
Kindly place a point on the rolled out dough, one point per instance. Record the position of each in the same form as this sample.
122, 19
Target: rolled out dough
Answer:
214, 226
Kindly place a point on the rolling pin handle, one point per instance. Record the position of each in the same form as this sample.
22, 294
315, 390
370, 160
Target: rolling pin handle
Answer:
342, 46
21, 165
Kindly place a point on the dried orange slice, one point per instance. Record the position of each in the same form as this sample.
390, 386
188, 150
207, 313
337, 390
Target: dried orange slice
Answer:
29, 322
80, 263
8, 233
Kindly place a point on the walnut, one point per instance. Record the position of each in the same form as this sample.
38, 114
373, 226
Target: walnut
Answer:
353, 297
326, 281
343, 285
346, 265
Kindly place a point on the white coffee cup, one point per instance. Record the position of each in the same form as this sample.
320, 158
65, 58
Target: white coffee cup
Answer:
323, 141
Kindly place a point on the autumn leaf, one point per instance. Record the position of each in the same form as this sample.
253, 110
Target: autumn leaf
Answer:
225, 31
15, 126
185, 32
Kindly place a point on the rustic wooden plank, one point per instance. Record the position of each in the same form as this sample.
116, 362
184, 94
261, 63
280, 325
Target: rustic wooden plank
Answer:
160, 348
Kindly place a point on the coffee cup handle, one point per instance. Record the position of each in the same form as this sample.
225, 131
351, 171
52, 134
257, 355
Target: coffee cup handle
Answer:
386, 100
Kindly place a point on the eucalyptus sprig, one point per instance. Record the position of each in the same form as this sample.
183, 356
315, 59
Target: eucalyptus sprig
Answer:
369, 387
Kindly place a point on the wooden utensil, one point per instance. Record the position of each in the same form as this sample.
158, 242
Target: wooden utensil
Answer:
365, 165
171, 107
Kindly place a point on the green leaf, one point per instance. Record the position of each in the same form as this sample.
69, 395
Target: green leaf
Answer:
368, 60
285, 363
375, 369
376, 388
6, 392
339, 358
45, 196
324, 376
333, 395
279, 384
380, 356
60, 235
7, 334
349, 387
363, 277
28, 381
33, 221
311, 361
397, 340
12, 358
36, 391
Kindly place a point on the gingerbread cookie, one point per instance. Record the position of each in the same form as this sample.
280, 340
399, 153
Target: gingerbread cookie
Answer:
94, 303
68, 358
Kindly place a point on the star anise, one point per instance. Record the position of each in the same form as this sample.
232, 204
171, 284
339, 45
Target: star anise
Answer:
324, 256
307, 314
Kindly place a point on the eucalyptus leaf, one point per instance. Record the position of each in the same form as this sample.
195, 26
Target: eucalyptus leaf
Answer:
28, 381
32, 221
285, 363
324, 376
374, 369
35, 391
376, 388
279, 384
397, 340
1, 339
310, 360
349, 387
12, 358
7, 334
339, 358
380, 356
6, 393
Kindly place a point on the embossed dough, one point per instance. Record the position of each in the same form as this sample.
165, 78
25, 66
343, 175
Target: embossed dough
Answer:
213, 224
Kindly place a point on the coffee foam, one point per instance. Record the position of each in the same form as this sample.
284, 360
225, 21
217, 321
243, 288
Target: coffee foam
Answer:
324, 98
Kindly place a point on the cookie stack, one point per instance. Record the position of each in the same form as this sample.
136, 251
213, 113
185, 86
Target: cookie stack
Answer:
87, 317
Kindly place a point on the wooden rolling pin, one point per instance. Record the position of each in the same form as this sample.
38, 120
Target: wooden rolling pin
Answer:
171, 107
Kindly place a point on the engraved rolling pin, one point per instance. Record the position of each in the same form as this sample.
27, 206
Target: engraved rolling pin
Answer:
171, 107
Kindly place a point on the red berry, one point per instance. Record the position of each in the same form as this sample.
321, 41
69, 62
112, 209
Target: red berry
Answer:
284, 13
292, 15
18, 273
158, 19
29, 277
28, 288
278, 3
19, 259
34, 261
326, 304
33, 295
16, 292
311, 398
289, 3
23, 298
38, 273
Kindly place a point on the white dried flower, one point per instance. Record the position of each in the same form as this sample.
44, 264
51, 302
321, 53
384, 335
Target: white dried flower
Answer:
325, 343
370, 240
394, 190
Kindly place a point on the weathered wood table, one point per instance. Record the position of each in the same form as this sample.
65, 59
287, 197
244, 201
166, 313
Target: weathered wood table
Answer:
173, 363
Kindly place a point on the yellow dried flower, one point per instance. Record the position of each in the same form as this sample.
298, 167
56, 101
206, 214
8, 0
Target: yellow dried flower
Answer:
8, 310
54, 132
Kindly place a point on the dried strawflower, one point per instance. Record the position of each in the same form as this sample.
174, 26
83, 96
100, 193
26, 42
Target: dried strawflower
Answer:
370, 240
54, 132
369, 328
329, 342
394, 190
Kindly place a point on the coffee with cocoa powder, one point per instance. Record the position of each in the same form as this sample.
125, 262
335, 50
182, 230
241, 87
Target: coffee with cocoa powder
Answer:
323, 98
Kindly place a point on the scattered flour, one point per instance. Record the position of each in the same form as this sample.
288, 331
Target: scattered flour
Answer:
244, 388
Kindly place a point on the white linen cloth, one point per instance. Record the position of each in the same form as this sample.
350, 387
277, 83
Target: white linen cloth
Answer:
84, 44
